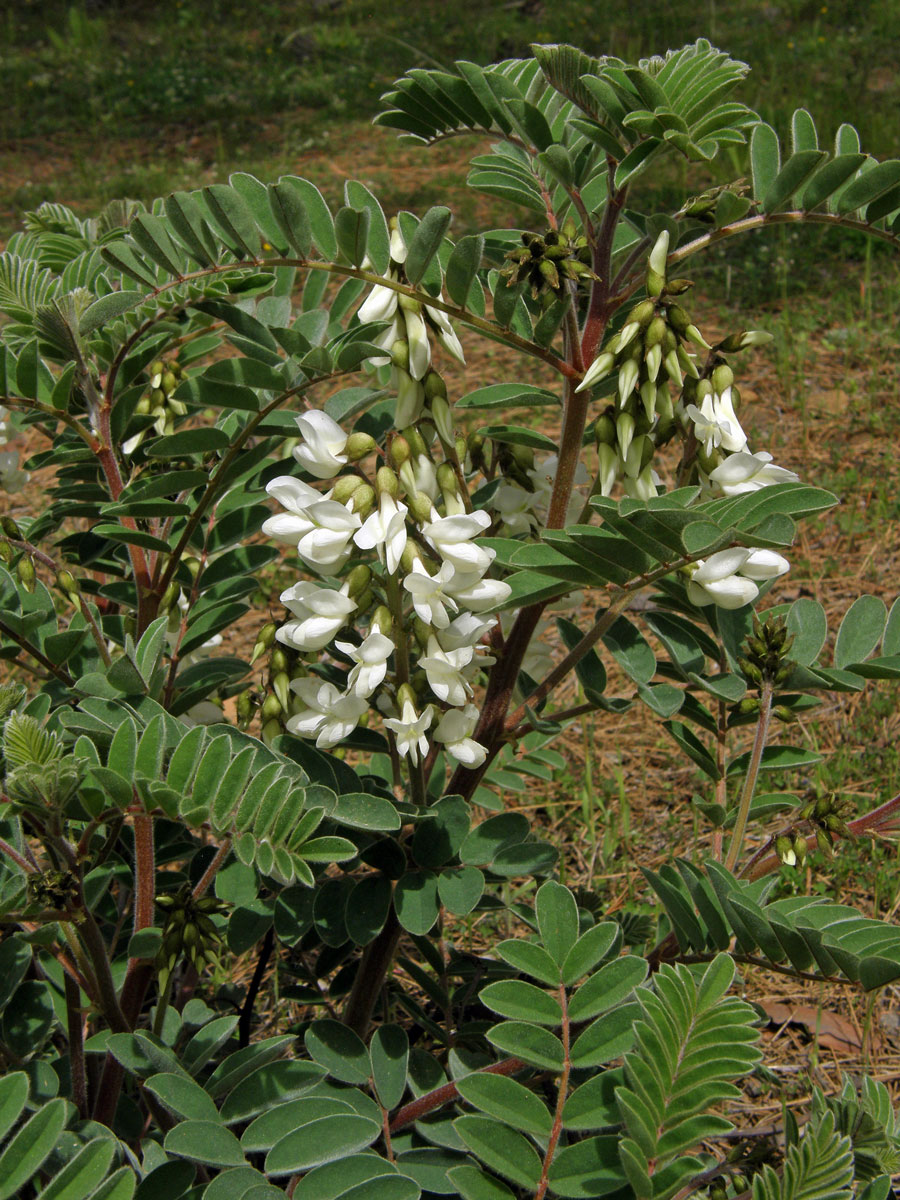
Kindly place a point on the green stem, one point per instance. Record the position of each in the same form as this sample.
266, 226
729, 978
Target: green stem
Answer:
759, 744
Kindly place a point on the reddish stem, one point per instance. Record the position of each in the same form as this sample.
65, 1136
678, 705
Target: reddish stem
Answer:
421, 1107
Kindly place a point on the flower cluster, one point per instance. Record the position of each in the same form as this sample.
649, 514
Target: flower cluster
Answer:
730, 577
404, 597
408, 345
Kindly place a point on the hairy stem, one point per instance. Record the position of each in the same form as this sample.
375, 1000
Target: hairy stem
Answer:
376, 961
556, 1130
246, 1018
432, 1101
75, 1033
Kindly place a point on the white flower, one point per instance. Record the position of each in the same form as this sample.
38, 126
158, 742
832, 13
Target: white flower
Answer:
320, 613
385, 530
445, 332
452, 538
322, 451
745, 472
428, 593
380, 304
514, 505
608, 468
716, 424
734, 439
715, 580
327, 543
419, 345
443, 670
475, 593
410, 398
12, 477
371, 663
296, 497
329, 715
465, 630
455, 731
410, 730
765, 564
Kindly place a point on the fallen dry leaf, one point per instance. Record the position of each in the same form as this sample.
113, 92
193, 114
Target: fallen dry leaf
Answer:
834, 1031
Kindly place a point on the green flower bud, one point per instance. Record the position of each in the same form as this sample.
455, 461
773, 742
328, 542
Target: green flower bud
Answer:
677, 287
359, 446
400, 354
382, 620
169, 382
605, 430
363, 500
653, 361
26, 573
628, 377
345, 488
244, 708
754, 337
271, 707
420, 508
656, 331
400, 452
278, 661
722, 378
648, 398
655, 283
659, 253
417, 443
784, 848
800, 847
67, 582
386, 481
142, 408
411, 554
281, 685
6, 552
409, 304
11, 529
358, 580
678, 318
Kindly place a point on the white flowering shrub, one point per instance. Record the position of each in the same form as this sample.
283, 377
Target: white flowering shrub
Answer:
242, 375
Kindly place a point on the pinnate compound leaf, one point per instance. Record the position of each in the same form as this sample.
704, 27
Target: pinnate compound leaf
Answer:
500, 1148
818, 1167
426, 241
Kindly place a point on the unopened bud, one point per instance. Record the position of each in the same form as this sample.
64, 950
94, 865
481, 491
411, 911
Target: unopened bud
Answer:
411, 554
345, 488
400, 452
434, 386
605, 430
272, 707
754, 337
26, 573
800, 847
358, 580
359, 446
67, 582
443, 419
784, 848
382, 620
420, 507
271, 730
628, 377
405, 694
386, 481
6, 552
278, 661
722, 378
11, 529
659, 253
400, 354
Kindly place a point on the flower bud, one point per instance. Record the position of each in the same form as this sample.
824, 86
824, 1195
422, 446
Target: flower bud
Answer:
605, 430
399, 452
382, 620
400, 354
271, 730
409, 304
358, 580
411, 554
244, 708
655, 333
420, 507
673, 367
628, 377
11, 529
659, 253
6, 552
443, 420
648, 398
784, 848
405, 695
386, 481
359, 446
434, 386
345, 488
26, 573
67, 582
363, 500
677, 287
754, 337
800, 847
624, 432
722, 378
271, 708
